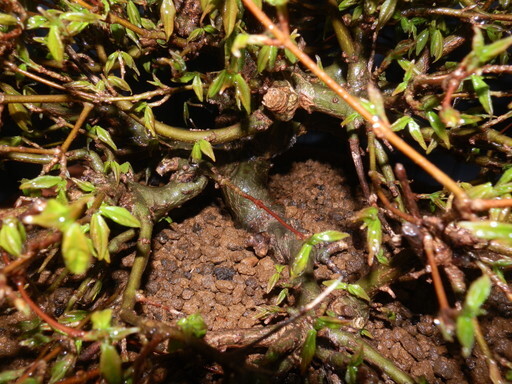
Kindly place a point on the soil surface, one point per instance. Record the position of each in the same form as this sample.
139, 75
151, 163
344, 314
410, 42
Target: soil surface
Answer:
202, 263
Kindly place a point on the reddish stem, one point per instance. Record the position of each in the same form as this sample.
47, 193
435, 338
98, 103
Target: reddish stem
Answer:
72, 332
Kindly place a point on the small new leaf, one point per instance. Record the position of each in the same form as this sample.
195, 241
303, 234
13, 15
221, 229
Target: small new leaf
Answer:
386, 11
196, 154
133, 13
489, 230
436, 44
206, 148
483, 92
110, 364
167, 15
12, 236
193, 325
99, 236
75, 249
101, 319
478, 292
439, 127
243, 92
55, 44
308, 350
301, 260
42, 182
104, 136
415, 132
465, 334
197, 86
119, 215
421, 41
327, 236
217, 84
229, 15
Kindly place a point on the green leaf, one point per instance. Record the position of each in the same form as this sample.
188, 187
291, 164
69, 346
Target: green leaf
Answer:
243, 92
505, 177
301, 260
450, 117
350, 118
99, 236
101, 320
6, 19
272, 282
104, 136
489, 52
421, 41
481, 191
290, 56
75, 249
266, 57
193, 325
374, 237
133, 13
12, 236
167, 15
241, 41
465, 334
386, 12
17, 111
478, 292
478, 40
75, 27
42, 182
483, 92
217, 84
229, 15
55, 44
347, 4
110, 364
197, 86
275, 277
114, 167
37, 21
358, 291
328, 322
400, 88
9, 376
436, 44
282, 295
56, 215
117, 82
82, 17
439, 127
129, 62
308, 350
119, 215
400, 124
489, 230
277, 3
61, 367
149, 120
327, 236
196, 154
206, 148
